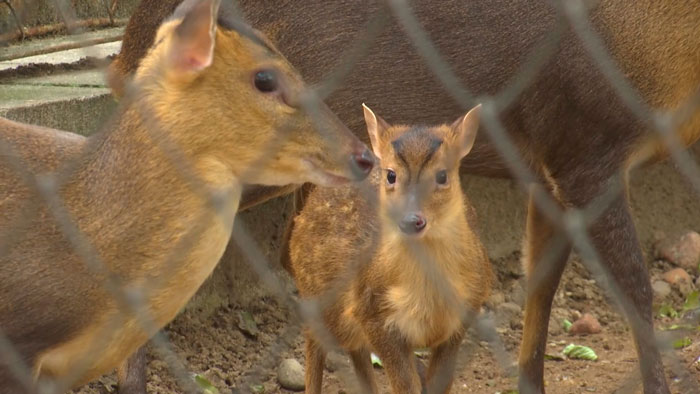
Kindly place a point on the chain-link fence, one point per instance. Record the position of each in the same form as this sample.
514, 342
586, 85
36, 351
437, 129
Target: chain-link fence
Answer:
575, 172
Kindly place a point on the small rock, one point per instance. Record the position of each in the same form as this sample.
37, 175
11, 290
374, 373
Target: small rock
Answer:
677, 277
661, 289
684, 253
290, 375
508, 314
587, 324
517, 294
336, 361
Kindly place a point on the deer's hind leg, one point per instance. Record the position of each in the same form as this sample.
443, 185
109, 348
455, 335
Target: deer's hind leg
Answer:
315, 358
362, 363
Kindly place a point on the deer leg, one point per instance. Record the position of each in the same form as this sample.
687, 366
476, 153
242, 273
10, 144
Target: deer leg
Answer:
315, 357
545, 257
131, 374
362, 363
615, 240
441, 370
397, 357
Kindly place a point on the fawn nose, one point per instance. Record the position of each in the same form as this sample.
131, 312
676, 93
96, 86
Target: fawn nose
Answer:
413, 223
362, 163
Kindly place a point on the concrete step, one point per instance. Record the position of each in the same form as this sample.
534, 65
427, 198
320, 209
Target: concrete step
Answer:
77, 100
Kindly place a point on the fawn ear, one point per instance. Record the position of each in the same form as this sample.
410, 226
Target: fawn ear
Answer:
376, 127
463, 132
192, 46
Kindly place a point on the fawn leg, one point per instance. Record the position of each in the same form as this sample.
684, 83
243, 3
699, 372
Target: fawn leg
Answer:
315, 357
131, 374
362, 363
543, 266
442, 365
397, 357
614, 237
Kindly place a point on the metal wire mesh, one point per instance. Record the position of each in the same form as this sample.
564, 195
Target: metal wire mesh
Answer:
574, 220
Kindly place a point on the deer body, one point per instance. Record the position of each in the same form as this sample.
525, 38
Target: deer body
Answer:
138, 216
567, 122
379, 289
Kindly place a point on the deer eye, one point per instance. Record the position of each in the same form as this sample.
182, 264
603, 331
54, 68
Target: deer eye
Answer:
441, 177
390, 177
266, 81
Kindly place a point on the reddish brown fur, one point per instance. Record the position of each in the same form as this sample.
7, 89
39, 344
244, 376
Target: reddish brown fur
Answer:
394, 302
568, 123
134, 206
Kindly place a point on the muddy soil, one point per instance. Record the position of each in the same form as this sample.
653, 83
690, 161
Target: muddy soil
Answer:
234, 361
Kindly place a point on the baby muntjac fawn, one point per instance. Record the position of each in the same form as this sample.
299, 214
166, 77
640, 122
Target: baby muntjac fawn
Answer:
211, 96
422, 271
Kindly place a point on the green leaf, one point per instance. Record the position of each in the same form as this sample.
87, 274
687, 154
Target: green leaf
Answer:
682, 342
422, 353
667, 310
247, 324
554, 357
257, 388
376, 361
579, 352
566, 324
692, 301
205, 385
674, 327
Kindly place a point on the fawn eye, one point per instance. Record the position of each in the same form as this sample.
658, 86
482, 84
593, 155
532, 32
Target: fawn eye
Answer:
390, 177
266, 81
441, 177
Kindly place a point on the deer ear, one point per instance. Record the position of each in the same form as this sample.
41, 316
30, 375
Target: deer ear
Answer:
192, 45
463, 132
376, 127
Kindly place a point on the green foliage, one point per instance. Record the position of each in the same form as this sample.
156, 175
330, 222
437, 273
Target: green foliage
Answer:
667, 311
205, 385
579, 352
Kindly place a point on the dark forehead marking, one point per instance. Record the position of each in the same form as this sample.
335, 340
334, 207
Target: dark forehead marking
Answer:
418, 144
396, 144
432, 148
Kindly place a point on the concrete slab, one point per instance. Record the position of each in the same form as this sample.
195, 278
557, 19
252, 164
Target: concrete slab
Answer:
12, 96
83, 78
65, 57
46, 44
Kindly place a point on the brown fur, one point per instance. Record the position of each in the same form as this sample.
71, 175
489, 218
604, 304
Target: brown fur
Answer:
394, 303
567, 121
134, 204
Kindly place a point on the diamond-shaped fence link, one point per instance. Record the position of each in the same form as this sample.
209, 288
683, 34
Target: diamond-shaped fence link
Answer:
574, 222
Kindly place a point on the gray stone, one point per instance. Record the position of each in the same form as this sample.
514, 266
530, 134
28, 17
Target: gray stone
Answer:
661, 289
290, 375
508, 314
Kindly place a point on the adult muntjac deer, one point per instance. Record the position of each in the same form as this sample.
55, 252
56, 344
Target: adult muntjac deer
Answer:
566, 121
416, 270
151, 199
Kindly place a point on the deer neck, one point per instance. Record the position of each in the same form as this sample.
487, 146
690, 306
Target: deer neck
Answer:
142, 192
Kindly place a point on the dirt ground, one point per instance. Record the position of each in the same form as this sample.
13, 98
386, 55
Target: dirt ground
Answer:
235, 362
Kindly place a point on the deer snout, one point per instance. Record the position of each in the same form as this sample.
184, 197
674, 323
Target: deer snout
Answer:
413, 223
361, 163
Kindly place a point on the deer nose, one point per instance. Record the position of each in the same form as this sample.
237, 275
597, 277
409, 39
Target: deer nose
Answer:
413, 223
362, 163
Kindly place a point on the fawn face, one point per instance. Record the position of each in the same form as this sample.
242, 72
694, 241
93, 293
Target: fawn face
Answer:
227, 94
420, 170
